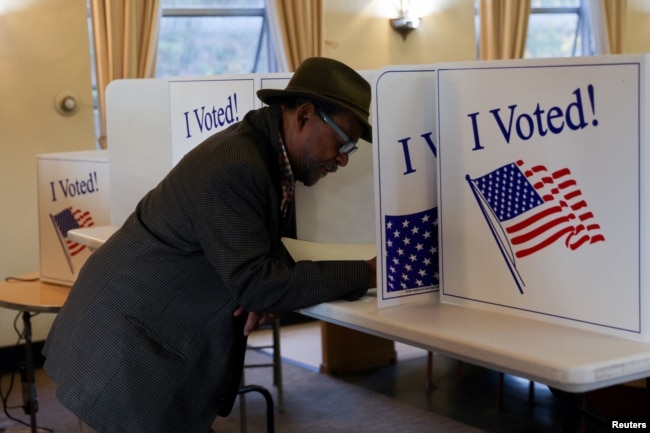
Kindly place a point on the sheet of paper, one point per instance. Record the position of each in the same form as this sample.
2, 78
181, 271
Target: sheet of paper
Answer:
306, 250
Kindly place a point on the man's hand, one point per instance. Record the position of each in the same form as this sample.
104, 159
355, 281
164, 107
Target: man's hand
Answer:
254, 320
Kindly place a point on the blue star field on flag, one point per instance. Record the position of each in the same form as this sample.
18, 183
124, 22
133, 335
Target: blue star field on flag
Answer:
412, 251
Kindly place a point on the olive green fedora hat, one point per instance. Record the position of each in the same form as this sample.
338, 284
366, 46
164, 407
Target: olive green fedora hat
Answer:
330, 81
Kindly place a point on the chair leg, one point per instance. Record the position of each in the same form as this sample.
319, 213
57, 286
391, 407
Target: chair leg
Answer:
277, 364
270, 420
242, 407
500, 392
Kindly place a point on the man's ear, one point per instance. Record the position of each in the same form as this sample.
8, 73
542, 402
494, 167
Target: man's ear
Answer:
304, 112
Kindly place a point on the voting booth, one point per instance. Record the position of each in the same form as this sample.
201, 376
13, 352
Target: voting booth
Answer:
405, 174
531, 174
73, 192
152, 123
543, 189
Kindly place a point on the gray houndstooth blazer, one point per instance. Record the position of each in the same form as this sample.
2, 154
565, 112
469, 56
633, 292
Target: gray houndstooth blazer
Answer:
147, 341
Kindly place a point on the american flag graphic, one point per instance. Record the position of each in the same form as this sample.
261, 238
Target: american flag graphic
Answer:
534, 208
70, 219
412, 251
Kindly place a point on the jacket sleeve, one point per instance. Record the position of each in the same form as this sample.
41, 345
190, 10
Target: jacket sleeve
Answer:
237, 220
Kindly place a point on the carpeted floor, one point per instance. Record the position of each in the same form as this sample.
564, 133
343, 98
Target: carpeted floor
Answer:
466, 393
318, 403
382, 400
314, 403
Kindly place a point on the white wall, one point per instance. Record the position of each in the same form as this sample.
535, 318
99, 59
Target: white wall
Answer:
359, 34
44, 53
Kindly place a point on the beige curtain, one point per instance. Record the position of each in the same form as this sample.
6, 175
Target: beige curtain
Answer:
125, 34
299, 28
503, 25
608, 19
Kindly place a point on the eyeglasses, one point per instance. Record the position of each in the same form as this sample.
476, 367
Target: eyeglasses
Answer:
348, 146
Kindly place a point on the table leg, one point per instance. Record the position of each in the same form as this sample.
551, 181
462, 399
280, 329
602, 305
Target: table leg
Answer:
31, 403
647, 397
569, 412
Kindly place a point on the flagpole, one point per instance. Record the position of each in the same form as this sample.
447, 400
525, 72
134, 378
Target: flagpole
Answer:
509, 261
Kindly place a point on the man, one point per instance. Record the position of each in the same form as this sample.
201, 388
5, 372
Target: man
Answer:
153, 335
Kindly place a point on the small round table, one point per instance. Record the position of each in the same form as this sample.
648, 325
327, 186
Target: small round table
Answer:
29, 294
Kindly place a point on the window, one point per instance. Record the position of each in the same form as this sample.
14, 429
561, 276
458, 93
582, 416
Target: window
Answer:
556, 28
205, 37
